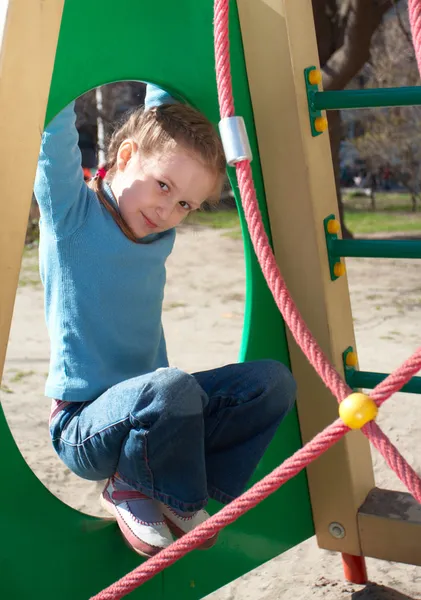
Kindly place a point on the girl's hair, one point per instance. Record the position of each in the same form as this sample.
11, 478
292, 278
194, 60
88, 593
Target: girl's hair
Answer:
159, 130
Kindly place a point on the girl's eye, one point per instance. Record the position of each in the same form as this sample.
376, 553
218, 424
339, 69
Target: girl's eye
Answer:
163, 186
185, 205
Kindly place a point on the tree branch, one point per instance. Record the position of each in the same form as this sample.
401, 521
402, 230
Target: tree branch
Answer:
362, 18
401, 23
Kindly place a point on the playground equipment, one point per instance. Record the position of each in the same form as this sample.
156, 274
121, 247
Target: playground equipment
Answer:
68, 554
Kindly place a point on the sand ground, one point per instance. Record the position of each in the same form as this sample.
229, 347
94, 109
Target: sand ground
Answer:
203, 320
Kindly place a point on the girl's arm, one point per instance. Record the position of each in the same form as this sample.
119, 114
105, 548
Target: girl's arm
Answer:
59, 184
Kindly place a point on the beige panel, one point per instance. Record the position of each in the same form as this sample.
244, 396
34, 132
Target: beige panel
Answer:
26, 63
390, 527
279, 43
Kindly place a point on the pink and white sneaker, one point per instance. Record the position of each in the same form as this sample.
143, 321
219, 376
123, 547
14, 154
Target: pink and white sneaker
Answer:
181, 523
140, 518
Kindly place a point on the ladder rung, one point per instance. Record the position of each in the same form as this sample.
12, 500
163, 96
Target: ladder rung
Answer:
368, 98
375, 248
369, 380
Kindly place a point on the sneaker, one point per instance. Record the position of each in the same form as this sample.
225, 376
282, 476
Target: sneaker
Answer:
181, 523
140, 518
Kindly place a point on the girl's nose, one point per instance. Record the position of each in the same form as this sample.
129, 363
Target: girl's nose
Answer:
164, 209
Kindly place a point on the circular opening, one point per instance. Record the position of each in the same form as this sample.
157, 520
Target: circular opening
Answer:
202, 312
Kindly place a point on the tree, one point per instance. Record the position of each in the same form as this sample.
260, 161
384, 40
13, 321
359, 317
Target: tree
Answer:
344, 30
116, 99
391, 136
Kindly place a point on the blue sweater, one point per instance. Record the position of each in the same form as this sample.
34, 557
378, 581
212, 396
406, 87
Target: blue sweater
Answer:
103, 293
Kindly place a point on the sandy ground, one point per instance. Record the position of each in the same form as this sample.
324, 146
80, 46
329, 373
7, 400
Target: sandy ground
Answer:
203, 319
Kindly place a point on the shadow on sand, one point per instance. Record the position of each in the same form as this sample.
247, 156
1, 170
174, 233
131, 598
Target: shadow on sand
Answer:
372, 591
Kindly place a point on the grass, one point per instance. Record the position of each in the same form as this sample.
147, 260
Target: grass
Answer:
19, 375
172, 305
379, 222
224, 219
390, 201
29, 273
5, 389
393, 214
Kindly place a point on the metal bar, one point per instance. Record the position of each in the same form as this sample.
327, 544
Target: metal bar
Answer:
369, 98
355, 568
376, 248
369, 380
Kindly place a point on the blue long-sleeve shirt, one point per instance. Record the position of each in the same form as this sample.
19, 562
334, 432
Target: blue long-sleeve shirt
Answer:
103, 292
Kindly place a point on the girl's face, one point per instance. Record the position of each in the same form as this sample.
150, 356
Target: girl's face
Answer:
155, 193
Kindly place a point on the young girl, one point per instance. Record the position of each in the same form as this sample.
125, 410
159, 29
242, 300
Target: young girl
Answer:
165, 440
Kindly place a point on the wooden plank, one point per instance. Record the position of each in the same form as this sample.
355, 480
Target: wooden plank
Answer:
390, 526
27, 54
279, 43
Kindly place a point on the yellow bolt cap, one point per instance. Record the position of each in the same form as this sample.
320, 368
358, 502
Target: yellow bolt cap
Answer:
320, 124
339, 269
315, 77
351, 359
357, 409
333, 226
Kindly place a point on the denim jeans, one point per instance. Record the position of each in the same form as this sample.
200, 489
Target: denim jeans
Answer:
177, 437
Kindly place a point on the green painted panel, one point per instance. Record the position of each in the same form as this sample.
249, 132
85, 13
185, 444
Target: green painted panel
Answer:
48, 549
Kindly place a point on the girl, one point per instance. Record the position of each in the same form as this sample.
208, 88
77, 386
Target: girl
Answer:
165, 440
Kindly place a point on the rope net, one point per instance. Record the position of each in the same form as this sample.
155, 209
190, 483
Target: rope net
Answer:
304, 338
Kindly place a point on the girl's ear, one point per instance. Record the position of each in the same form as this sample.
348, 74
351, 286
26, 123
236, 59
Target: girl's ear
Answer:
125, 152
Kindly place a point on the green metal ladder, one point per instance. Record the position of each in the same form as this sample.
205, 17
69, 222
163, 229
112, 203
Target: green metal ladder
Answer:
339, 248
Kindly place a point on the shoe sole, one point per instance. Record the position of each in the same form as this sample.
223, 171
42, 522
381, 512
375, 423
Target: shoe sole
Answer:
147, 551
179, 533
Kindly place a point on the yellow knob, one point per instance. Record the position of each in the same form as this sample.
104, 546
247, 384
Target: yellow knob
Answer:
357, 410
351, 359
320, 124
339, 269
333, 226
315, 77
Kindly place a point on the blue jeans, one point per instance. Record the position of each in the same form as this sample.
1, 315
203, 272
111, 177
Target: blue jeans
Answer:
177, 437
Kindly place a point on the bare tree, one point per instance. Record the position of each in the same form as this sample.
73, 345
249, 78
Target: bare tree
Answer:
117, 98
391, 136
344, 30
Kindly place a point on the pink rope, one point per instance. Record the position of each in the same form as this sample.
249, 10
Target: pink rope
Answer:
304, 338
292, 317
227, 515
396, 380
256, 494
276, 283
414, 10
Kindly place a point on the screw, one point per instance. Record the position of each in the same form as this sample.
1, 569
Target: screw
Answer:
337, 530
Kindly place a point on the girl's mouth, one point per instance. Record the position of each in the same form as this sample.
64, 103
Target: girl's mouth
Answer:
149, 223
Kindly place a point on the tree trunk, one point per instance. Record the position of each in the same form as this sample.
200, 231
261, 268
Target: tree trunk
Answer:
373, 199
344, 29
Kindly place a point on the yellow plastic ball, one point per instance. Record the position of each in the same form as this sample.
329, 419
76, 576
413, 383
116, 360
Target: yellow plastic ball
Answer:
339, 269
320, 124
357, 409
315, 77
351, 359
333, 226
